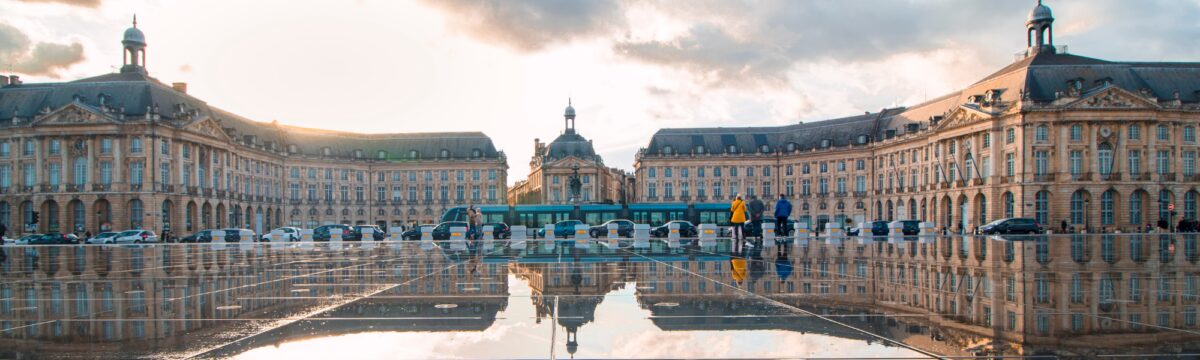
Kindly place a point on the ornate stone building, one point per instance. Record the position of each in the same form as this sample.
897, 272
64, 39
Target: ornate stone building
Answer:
123, 150
1055, 136
555, 165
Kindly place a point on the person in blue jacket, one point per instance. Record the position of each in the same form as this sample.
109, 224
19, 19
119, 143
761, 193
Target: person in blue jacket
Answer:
783, 209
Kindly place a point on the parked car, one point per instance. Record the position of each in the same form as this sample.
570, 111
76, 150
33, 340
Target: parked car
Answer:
562, 229
378, 235
624, 228
321, 233
686, 229
442, 231
1012, 226
290, 234
25, 240
102, 238
415, 232
135, 237
54, 238
235, 235
500, 230
201, 236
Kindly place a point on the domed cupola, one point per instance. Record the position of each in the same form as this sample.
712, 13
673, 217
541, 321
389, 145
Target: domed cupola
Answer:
1039, 32
134, 56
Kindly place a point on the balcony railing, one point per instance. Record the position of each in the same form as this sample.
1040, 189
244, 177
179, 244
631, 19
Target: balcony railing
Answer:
860, 194
193, 190
1166, 177
135, 187
1087, 176
48, 188
1143, 176
1043, 177
101, 187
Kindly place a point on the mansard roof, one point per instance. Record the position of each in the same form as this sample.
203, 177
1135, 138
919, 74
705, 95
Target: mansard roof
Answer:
131, 96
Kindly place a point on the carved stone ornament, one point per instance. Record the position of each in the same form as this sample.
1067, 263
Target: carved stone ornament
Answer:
79, 147
1109, 99
72, 115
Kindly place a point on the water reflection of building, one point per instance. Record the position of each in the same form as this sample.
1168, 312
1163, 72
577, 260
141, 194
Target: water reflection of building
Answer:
166, 298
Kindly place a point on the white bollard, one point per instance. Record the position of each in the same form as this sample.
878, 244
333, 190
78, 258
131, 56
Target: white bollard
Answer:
368, 234
833, 233
928, 232
306, 238
458, 238
548, 241
866, 235
768, 234
247, 236
489, 237
802, 234
427, 234
395, 233
895, 232
518, 239
277, 236
218, 239
707, 235
335, 235
641, 236
581, 237
673, 235
613, 235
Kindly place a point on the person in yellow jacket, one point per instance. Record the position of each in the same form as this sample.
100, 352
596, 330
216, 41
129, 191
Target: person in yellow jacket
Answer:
737, 220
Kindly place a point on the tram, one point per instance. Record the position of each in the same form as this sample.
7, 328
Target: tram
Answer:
655, 214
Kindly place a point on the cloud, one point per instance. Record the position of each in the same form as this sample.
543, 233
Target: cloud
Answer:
185, 68
29, 58
532, 25
80, 3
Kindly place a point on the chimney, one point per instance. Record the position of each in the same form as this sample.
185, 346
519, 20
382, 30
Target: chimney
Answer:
3, 81
180, 87
16, 80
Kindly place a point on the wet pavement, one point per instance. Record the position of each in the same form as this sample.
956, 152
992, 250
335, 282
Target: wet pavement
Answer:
562, 299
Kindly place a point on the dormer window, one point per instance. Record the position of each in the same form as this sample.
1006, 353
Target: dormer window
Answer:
826, 143
444, 154
666, 150
700, 149
476, 153
791, 147
413, 154
381, 155
732, 149
1104, 81
862, 139
1075, 86
358, 154
993, 95
326, 151
765, 149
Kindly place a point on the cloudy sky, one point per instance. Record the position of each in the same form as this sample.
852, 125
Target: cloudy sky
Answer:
632, 66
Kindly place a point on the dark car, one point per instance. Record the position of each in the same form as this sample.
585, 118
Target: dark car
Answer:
686, 229
54, 238
878, 228
204, 236
414, 233
500, 230
442, 231
321, 233
624, 228
911, 227
1012, 226
562, 229
378, 235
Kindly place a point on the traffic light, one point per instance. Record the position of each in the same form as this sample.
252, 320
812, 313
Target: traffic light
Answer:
36, 217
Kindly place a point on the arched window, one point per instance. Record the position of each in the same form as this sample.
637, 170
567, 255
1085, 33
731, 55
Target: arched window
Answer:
1164, 201
1042, 207
1009, 205
912, 210
982, 210
1136, 203
1105, 159
1106, 207
1189, 205
136, 212
1078, 200
5, 214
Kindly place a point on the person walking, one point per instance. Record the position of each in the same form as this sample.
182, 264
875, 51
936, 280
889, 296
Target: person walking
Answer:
473, 219
756, 208
3, 232
738, 220
783, 209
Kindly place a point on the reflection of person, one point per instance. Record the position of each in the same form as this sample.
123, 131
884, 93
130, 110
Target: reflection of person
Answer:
738, 219
783, 268
737, 266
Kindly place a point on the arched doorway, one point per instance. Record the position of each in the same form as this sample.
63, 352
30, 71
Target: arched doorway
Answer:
206, 215
50, 218
189, 217
78, 216
136, 213
165, 216
964, 214
103, 213
219, 216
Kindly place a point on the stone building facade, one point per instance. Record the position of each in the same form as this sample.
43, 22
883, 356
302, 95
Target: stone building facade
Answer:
123, 150
1058, 137
554, 165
